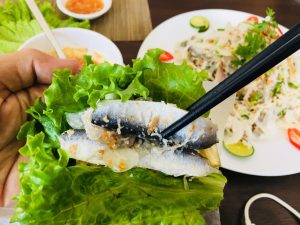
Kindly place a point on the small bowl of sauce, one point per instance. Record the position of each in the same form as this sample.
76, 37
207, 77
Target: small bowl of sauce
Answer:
84, 9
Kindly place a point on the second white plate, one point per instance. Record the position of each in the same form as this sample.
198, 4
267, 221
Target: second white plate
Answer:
274, 157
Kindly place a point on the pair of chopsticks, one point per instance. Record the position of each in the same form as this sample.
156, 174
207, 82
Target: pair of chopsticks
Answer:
41, 20
279, 50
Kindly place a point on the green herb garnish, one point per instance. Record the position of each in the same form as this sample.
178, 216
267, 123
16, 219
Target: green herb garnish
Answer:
277, 88
258, 38
293, 85
255, 97
245, 116
281, 113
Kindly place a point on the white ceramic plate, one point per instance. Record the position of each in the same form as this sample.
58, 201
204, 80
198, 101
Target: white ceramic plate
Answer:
274, 157
78, 38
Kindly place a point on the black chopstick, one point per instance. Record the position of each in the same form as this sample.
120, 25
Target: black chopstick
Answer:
279, 50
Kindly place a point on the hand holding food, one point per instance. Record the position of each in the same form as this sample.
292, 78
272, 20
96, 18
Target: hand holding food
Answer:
23, 77
87, 155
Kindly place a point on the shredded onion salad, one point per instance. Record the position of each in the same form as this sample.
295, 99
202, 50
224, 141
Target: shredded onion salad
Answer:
268, 104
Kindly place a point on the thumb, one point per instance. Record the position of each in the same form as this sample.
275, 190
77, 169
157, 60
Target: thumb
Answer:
44, 66
22, 69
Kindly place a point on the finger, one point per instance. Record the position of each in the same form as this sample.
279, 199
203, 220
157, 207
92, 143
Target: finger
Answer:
20, 70
44, 67
9, 173
13, 113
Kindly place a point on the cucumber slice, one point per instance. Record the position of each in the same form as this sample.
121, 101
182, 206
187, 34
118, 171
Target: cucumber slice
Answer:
240, 149
199, 22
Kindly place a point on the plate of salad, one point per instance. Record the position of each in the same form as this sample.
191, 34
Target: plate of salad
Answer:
262, 133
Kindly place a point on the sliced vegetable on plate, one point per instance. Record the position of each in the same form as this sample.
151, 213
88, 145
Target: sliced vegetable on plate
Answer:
253, 19
165, 56
199, 22
240, 148
294, 137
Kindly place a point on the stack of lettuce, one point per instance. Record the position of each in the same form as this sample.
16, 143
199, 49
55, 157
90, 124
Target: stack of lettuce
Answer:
17, 24
58, 190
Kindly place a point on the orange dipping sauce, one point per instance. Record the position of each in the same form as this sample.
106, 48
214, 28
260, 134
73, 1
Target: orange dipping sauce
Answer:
84, 6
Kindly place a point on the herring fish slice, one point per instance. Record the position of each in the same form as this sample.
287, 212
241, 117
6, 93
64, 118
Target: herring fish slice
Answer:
143, 154
147, 119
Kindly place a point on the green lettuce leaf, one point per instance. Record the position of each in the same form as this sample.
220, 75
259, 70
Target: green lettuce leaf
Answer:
54, 21
17, 23
180, 85
54, 193
57, 190
93, 83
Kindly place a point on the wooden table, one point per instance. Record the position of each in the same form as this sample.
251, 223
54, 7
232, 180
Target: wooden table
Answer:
240, 187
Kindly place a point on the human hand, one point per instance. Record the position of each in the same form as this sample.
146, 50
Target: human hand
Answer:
23, 77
